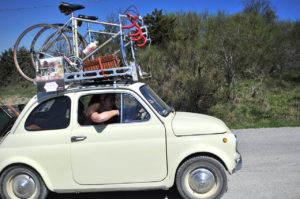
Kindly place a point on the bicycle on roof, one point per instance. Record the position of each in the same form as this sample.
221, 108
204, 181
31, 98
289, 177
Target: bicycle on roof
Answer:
43, 41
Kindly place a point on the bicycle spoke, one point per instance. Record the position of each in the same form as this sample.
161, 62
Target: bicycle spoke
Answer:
38, 42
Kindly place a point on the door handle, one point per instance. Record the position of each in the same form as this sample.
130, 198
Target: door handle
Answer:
78, 138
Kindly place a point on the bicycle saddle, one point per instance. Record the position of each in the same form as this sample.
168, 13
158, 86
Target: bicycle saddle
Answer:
68, 8
87, 17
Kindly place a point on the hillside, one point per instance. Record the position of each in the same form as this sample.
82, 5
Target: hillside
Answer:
243, 68
16, 93
273, 103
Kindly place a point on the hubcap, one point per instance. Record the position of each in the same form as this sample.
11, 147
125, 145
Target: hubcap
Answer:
23, 186
201, 181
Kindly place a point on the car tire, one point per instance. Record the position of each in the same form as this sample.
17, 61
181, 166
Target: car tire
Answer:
19, 182
201, 177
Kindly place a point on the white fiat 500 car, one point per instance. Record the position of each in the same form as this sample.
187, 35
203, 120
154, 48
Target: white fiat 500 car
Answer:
53, 146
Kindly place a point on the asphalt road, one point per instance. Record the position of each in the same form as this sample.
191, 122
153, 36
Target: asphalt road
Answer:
271, 165
271, 169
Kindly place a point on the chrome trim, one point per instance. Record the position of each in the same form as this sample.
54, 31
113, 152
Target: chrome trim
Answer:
78, 138
238, 162
238, 157
23, 186
134, 188
201, 180
236, 142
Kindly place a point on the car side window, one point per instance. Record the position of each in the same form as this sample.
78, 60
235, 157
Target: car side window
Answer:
50, 115
98, 103
133, 111
130, 110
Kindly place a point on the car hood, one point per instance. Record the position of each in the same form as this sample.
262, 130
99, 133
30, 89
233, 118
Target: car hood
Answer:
196, 124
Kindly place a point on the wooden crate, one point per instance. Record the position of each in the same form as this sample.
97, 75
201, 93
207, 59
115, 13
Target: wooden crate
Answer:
100, 63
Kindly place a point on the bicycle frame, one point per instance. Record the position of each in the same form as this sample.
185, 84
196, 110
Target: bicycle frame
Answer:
74, 21
65, 40
75, 61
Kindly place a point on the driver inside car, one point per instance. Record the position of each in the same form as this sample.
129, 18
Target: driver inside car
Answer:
102, 109
133, 110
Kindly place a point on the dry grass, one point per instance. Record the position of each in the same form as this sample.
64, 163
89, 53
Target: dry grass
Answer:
274, 103
13, 99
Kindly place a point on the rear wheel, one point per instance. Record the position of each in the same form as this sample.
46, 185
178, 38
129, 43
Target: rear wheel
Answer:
55, 39
37, 42
201, 178
19, 182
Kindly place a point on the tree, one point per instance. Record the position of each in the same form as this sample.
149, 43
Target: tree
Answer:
161, 27
7, 67
294, 40
260, 7
190, 25
8, 71
114, 44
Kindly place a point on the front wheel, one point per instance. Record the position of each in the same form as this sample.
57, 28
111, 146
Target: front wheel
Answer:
201, 178
20, 182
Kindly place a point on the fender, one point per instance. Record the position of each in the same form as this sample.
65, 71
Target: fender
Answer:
223, 151
19, 160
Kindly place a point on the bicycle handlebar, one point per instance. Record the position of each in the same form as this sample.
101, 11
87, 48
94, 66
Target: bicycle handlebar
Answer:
139, 33
133, 20
144, 43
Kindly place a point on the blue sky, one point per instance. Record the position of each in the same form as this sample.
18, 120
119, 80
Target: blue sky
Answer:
13, 22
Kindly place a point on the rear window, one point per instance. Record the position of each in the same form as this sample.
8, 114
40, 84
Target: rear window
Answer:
5, 121
50, 115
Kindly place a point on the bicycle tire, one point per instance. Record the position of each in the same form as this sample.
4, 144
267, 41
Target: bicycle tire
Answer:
26, 49
68, 32
53, 43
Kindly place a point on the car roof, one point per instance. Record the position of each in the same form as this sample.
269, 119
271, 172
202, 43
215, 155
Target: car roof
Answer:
119, 85
75, 88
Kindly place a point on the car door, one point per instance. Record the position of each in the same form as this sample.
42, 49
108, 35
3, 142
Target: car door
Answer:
131, 151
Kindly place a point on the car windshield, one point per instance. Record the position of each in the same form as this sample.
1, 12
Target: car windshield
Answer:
157, 103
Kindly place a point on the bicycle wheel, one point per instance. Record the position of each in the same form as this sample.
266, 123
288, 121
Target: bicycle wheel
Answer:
77, 61
82, 43
50, 41
33, 44
53, 39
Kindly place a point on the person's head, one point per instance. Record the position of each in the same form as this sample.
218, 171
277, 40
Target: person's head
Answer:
107, 101
94, 99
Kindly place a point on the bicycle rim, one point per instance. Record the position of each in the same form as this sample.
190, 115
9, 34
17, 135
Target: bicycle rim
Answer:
32, 45
67, 32
81, 40
50, 42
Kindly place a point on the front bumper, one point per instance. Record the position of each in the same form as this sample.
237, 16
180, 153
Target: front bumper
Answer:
238, 162
238, 157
